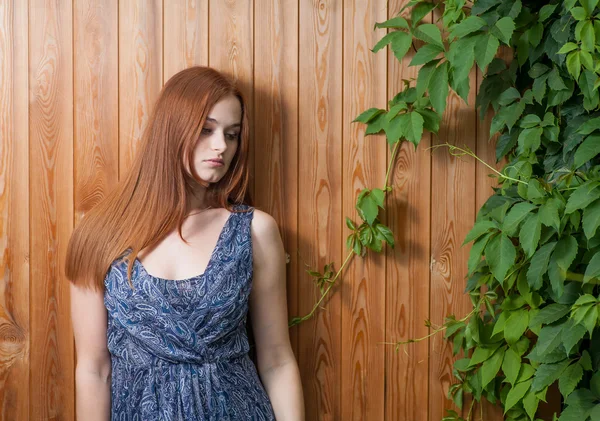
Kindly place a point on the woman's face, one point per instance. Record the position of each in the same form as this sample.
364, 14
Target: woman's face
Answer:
219, 140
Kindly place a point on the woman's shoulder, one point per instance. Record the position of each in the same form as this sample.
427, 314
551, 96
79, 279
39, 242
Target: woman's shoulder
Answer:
263, 224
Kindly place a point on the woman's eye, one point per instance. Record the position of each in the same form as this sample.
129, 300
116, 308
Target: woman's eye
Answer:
232, 136
206, 131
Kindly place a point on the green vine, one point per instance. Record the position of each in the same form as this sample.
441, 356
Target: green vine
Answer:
534, 263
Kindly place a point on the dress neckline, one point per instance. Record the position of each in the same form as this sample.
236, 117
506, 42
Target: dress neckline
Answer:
208, 265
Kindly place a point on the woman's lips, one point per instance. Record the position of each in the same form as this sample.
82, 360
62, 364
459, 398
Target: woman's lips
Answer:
215, 162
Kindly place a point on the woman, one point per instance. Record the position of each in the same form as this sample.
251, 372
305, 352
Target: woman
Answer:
165, 270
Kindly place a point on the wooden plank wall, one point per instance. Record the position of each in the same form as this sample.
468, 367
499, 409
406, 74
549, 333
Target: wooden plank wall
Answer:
77, 83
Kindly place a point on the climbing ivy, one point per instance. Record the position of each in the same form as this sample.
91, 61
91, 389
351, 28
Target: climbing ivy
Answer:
534, 264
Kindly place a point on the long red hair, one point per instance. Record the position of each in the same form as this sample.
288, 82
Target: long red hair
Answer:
151, 200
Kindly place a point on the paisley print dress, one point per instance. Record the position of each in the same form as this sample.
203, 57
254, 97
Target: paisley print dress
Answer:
179, 348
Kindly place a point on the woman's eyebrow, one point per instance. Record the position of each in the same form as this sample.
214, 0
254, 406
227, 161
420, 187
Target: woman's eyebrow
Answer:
212, 120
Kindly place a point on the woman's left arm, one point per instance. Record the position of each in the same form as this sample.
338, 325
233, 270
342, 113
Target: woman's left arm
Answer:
277, 365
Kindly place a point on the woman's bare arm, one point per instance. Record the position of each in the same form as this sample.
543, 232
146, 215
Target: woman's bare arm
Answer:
277, 365
93, 371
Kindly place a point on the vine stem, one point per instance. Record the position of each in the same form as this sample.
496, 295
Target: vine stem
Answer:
332, 282
324, 294
469, 152
436, 331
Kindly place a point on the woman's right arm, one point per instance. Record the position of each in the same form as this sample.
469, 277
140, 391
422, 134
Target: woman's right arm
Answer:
93, 371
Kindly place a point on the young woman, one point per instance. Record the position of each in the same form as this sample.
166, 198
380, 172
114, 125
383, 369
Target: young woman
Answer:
166, 268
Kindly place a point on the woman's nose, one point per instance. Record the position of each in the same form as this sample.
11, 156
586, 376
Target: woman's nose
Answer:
218, 141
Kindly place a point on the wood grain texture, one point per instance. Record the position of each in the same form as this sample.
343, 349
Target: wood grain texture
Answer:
364, 283
140, 71
185, 41
320, 199
51, 391
96, 108
407, 275
452, 216
14, 212
231, 30
276, 129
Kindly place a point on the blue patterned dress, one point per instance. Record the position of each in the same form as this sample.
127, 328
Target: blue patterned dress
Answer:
179, 347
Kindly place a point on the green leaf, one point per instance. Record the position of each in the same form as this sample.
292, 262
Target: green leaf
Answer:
549, 213
481, 354
582, 196
401, 42
549, 338
529, 236
547, 374
550, 314
591, 219
516, 325
588, 6
570, 378
376, 125
425, 54
589, 126
539, 265
383, 42
491, 367
588, 149
578, 13
514, 217
397, 22
545, 12
480, 228
593, 268
419, 11
424, 77
506, 27
467, 26
438, 88
429, 33
386, 234
530, 139
516, 393
476, 252
431, 120
535, 34
413, 126
368, 115
574, 64
485, 50
555, 81
538, 70
500, 254
572, 334
588, 37
565, 252
530, 403
567, 48
511, 365
509, 96
529, 121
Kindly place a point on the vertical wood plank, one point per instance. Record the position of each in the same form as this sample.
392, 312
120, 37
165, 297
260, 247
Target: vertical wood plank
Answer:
319, 199
96, 92
186, 35
14, 212
407, 276
452, 216
363, 160
51, 391
231, 46
140, 71
276, 128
